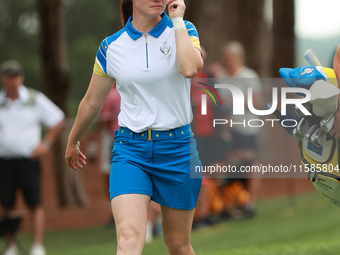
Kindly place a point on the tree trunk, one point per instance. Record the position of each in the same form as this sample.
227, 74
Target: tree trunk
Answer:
219, 21
283, 56
253, 33
55, 74
283, 35
56, 85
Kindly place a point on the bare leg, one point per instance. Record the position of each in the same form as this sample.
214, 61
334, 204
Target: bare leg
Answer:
130, 214
177, 226
38, 215
9, 237
254, 184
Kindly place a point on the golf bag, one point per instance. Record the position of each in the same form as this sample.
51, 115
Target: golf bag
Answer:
320, 152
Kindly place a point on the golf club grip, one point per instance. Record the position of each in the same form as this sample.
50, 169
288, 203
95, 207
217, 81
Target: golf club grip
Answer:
312, 58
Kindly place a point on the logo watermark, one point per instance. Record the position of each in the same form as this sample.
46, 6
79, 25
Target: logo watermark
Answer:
240, 101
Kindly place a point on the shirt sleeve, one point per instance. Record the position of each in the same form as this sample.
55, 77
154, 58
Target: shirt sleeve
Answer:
193, 34
101, 62
49, 114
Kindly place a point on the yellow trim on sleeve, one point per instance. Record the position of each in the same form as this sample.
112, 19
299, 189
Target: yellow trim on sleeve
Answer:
195, 42
98, 70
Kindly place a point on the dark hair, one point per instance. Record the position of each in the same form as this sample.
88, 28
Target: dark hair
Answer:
126, 8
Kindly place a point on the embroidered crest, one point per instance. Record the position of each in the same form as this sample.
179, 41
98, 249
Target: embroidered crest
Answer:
165, 49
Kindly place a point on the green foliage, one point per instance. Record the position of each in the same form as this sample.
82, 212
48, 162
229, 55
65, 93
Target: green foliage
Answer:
85, 24
18, 43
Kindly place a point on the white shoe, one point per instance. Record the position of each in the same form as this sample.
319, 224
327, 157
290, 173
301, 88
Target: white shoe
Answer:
38, 249
11, 250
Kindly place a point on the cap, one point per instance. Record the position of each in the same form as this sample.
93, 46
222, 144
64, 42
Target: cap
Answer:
11, 68
303, 76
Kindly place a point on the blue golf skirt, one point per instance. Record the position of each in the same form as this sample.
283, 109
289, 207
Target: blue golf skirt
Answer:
159, 164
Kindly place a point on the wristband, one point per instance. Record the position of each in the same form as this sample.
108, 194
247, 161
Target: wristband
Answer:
47, 144
178, 23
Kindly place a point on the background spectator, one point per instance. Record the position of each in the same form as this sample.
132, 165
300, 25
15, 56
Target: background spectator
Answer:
232, 67
23, 111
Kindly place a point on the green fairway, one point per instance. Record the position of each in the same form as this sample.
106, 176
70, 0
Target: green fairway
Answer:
311, 227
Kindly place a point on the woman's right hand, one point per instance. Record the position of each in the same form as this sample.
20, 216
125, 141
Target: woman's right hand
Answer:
74, 157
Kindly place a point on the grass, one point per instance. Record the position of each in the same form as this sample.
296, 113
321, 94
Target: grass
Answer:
310, 227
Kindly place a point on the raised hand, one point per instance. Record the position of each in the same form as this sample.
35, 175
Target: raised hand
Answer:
176, 8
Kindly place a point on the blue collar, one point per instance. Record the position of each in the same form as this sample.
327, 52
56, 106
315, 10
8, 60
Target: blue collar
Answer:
156, 31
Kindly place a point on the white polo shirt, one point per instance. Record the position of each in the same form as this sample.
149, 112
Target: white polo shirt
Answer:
21, 122
154, 94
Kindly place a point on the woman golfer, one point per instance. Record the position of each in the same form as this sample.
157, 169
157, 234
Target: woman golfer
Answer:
151, 60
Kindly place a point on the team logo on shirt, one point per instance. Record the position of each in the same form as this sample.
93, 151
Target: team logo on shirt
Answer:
165, 49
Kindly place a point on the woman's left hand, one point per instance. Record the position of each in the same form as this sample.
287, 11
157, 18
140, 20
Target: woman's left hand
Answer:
74, 157
176, 8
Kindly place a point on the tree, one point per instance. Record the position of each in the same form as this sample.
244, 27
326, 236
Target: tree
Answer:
283, 56
53, 52
219, 21
56, 84
283, 35
19, 26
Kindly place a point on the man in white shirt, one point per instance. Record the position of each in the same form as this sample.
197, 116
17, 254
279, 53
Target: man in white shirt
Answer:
233, 70
23, 113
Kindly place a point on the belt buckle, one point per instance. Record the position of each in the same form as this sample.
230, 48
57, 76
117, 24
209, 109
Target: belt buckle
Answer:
149, 135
